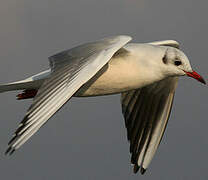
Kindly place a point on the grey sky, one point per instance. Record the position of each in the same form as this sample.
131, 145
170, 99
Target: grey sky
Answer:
87, 138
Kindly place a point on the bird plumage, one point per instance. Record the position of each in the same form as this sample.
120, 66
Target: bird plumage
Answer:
145, 74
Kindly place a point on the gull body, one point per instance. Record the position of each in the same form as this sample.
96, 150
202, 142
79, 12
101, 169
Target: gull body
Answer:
138, 67
145, 74
125, 71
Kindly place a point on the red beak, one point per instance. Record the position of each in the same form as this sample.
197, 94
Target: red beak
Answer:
196, 76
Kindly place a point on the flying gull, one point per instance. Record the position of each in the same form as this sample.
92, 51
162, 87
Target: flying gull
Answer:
145, 74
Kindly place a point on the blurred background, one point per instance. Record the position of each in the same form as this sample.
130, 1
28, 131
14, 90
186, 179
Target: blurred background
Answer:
87, 138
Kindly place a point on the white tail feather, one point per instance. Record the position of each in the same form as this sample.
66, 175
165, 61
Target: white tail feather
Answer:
33, 82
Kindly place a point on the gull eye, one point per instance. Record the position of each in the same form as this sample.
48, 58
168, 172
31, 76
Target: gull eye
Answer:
177, 63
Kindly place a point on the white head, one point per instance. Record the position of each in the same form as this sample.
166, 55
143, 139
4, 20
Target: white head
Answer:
176, 63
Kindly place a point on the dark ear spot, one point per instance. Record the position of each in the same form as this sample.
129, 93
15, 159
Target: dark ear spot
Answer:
164, 59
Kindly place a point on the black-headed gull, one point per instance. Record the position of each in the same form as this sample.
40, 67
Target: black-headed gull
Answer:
145, 74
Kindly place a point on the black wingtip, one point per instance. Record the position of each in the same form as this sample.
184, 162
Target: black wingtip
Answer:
133, 159
9, 151
142, 170
136, 168
10, 142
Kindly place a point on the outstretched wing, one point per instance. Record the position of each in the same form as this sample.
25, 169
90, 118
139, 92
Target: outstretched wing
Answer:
70, 70
146, 112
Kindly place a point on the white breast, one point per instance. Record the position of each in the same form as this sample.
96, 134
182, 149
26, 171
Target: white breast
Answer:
122, 73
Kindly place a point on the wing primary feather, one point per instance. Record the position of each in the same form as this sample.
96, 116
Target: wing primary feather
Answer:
56, 88
49, 86
49, 91
137, 112
144, 130
155, 133
168, 116
25, 122
133, 115
49, 96
126, 99
153, 122
29, 132
141, 132
28, 128
129, 106
42, 103
142, 170
136, 168
137, 129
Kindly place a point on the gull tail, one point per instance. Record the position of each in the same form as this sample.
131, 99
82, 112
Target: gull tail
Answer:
29, 86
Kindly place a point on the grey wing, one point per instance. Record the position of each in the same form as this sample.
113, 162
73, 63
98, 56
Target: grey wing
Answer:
70, 70
146, 112
171, 43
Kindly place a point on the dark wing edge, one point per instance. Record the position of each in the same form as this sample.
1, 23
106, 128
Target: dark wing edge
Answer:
146, 112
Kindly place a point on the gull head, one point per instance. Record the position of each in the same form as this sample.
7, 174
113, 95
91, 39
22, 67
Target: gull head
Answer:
176, 63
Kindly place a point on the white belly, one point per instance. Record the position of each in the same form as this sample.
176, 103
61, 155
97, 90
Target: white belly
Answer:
119, 75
